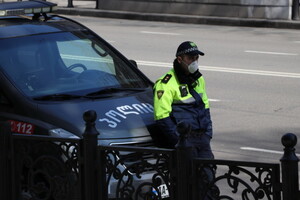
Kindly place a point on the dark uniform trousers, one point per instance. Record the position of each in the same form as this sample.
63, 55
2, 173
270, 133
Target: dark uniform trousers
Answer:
202, 149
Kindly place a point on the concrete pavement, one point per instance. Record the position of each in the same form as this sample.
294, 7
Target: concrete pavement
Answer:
87, 8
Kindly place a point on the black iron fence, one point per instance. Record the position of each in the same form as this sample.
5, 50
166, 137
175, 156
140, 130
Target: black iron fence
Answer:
244, 180
39, 167
42, 168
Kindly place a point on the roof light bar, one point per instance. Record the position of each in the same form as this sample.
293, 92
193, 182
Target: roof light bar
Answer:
26, 7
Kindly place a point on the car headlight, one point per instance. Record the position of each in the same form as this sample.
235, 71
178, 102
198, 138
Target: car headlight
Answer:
59, 132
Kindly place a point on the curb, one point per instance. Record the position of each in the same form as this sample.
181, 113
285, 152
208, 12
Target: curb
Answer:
225, 21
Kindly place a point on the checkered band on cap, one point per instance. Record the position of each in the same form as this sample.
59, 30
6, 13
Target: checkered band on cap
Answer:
187, 51
188, 48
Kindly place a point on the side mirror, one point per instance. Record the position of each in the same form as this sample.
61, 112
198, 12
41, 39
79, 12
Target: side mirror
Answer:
134, 63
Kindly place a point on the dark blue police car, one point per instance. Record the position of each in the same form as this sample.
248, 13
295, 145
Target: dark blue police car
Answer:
53, 69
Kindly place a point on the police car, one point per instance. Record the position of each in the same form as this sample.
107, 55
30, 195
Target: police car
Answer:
53, 69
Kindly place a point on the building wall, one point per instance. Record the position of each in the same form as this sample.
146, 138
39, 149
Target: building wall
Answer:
262, 9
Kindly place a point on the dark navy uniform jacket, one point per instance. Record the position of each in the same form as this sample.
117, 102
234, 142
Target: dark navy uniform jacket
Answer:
175, 102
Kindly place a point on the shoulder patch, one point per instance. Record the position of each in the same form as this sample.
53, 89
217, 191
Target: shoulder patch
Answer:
166, 78
160, 93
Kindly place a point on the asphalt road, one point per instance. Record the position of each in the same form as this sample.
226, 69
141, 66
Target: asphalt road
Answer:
252, 75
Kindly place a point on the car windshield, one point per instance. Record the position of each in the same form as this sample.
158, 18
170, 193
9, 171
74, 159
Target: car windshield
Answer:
64, 63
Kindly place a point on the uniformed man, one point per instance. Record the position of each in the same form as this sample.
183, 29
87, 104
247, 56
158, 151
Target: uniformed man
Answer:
180, 96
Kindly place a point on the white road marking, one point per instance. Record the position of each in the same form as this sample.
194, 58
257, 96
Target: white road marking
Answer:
227, 70
204, 68
159, 33
272, 53
214, 100
263, 150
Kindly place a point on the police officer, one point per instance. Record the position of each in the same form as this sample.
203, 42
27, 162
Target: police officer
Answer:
180, 96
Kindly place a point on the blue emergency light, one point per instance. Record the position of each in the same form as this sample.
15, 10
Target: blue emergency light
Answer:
26, 7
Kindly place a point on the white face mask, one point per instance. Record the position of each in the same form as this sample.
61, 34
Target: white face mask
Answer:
193, 67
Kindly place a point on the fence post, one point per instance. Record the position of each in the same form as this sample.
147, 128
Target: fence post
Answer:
289, 167
5, 169
295, 10
90, 184
70, 4
97, 4
184, 162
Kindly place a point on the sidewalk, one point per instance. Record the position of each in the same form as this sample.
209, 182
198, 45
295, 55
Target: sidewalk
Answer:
87, 8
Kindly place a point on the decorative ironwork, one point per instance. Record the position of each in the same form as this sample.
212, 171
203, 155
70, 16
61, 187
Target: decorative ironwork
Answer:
46, 169
126, 167
242, 180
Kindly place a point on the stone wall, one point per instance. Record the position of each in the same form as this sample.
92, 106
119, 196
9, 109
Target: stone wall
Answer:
262, 9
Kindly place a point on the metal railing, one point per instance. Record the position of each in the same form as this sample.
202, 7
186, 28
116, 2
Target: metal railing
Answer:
43, 167
244, 180
39, 167
126, 168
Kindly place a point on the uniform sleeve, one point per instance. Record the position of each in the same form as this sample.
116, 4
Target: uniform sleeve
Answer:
204, 96
209, 128
163, 99
169, 136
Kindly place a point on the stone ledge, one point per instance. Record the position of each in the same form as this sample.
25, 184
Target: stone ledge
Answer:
230, 8
225, 21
